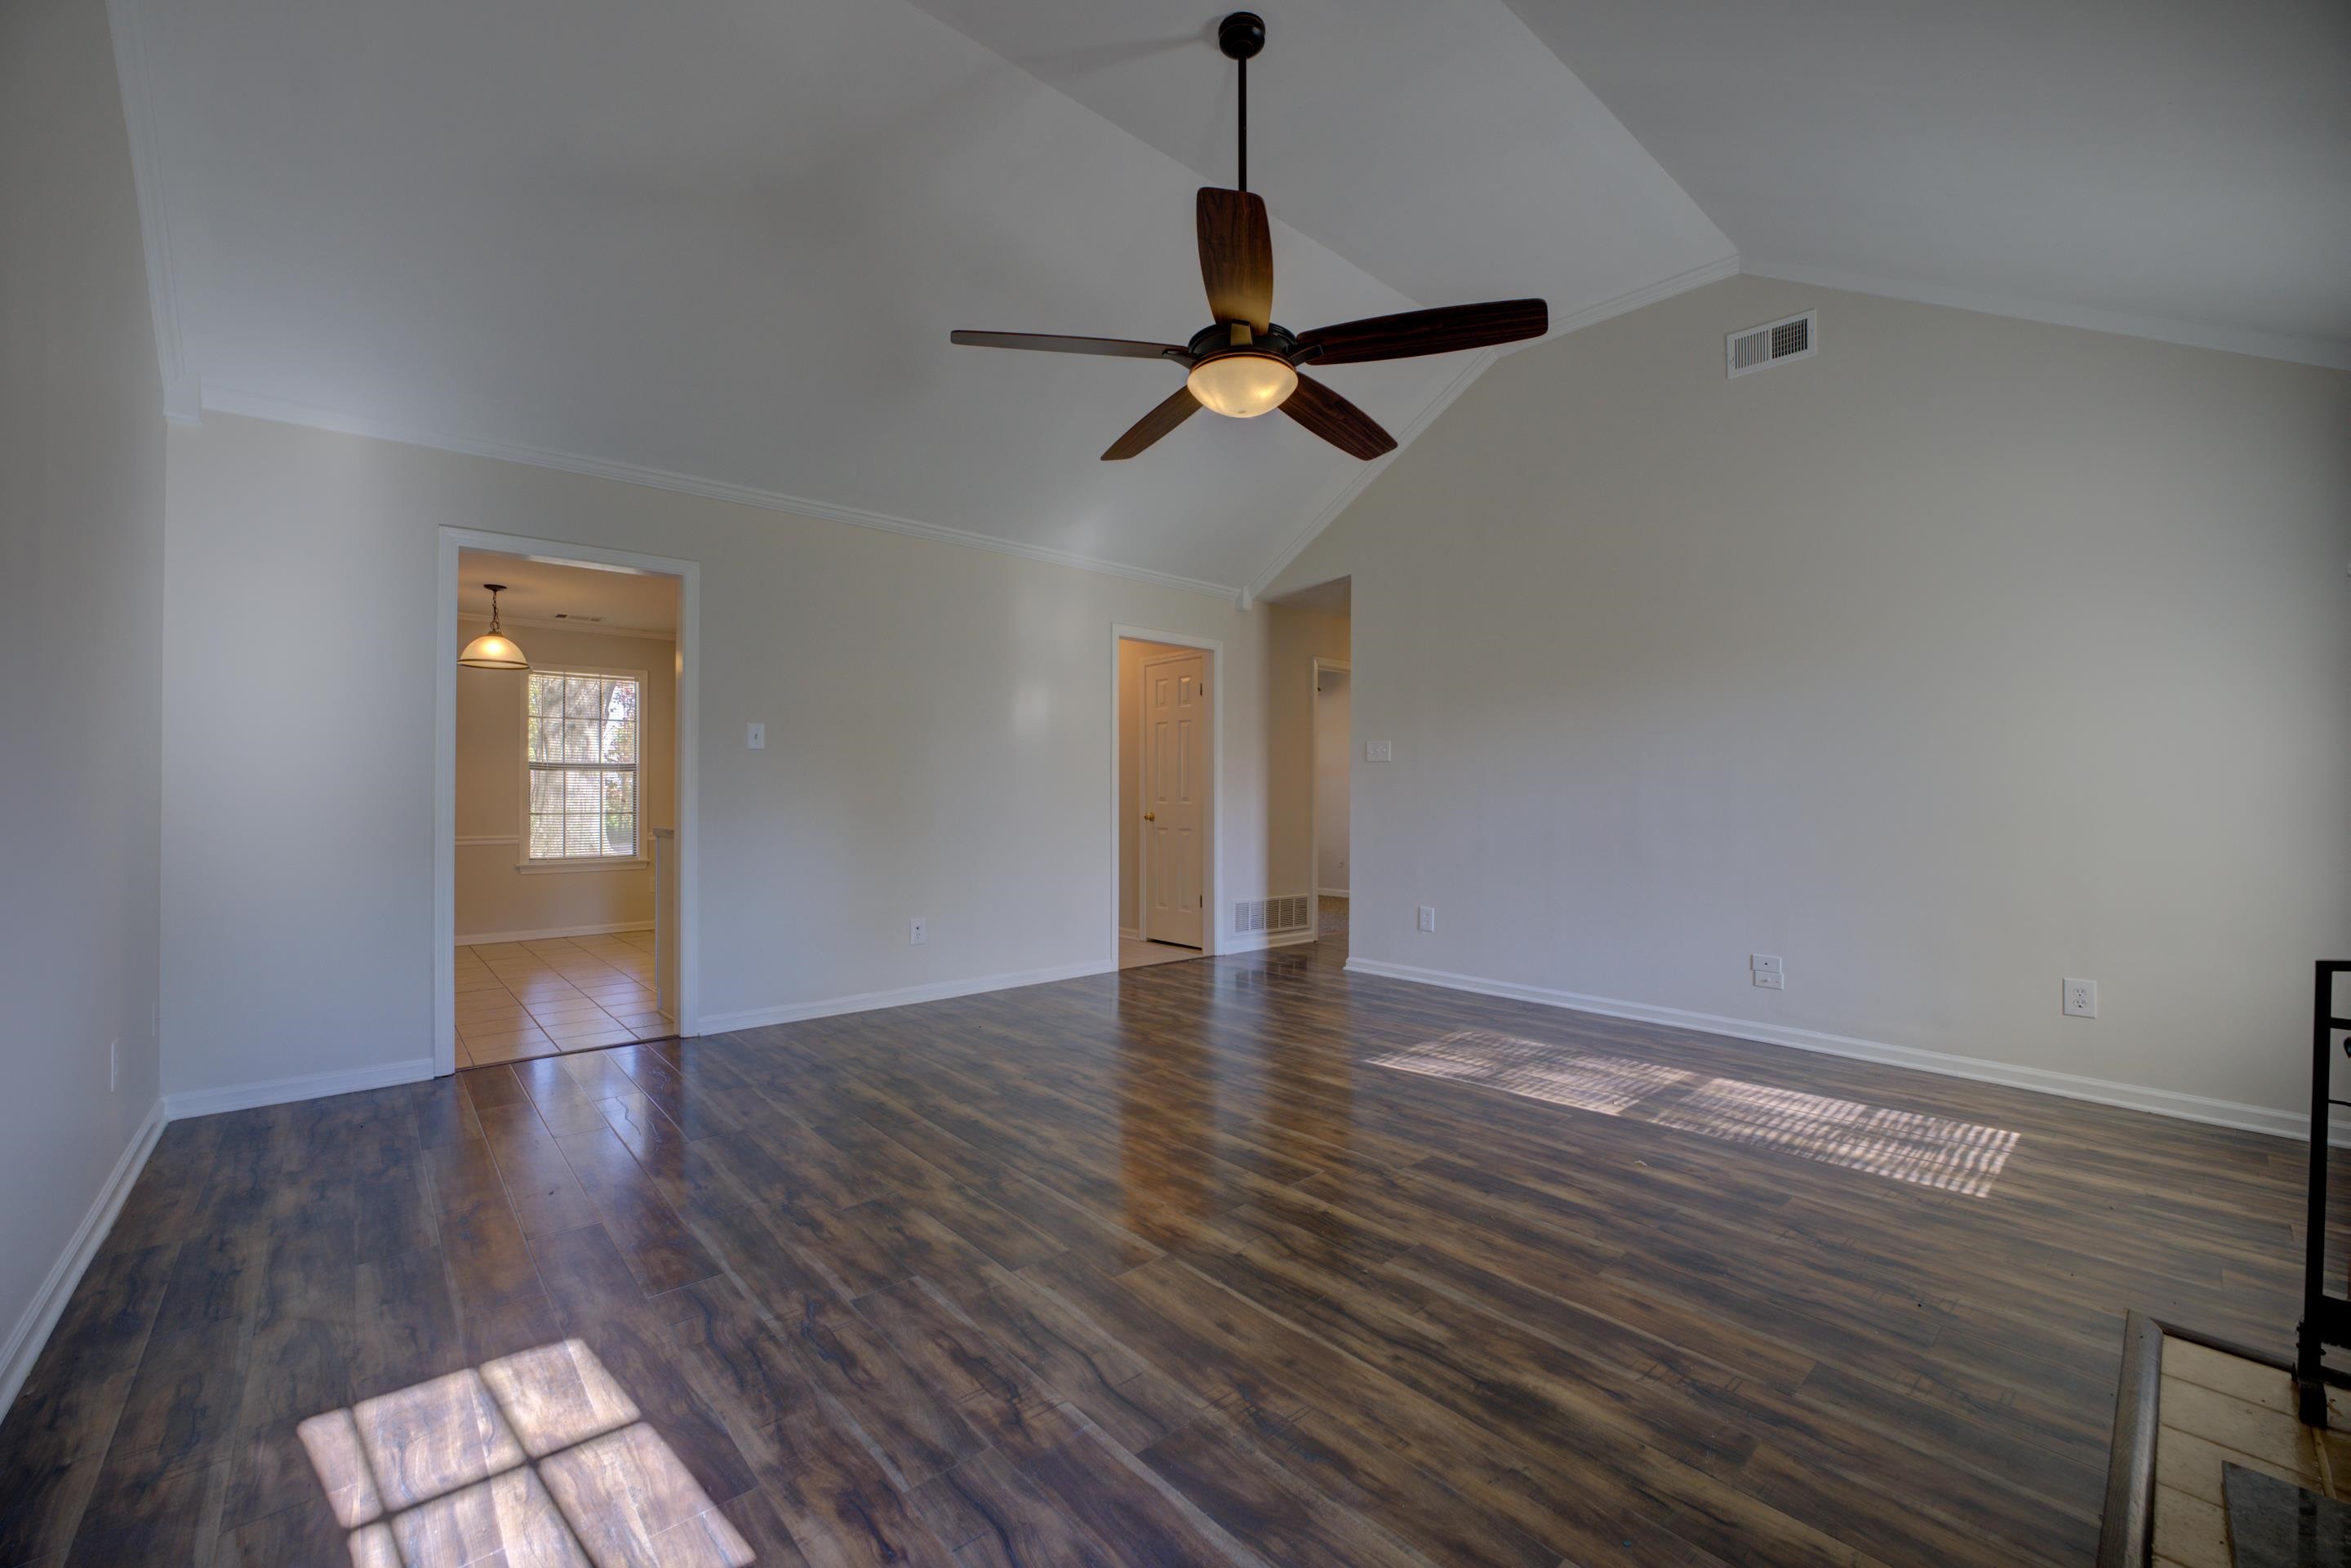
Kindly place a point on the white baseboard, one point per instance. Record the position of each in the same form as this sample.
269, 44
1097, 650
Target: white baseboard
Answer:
284, 1090
1258, 941
48, 1304
905, 996
1332, 893
2104, 1092
1130, 934
487, 937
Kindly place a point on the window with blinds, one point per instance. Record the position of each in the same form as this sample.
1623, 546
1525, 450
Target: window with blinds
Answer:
580, 733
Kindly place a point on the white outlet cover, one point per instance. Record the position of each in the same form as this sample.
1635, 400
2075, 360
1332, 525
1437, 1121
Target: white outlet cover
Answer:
918, 931
1378, 750
1765, 963
2080, 998
1428, 918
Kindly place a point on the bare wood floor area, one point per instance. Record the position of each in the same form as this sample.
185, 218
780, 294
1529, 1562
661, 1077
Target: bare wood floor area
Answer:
1244, 1260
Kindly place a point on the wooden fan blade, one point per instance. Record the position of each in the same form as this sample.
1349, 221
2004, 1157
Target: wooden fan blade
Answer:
1237, 256
1337, 421
1182, 406
1052, 343
1443, 330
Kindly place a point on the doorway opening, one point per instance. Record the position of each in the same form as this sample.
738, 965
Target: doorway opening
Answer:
564, 860
1163, 783
1333, 753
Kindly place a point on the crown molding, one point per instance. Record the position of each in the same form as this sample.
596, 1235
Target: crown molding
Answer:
576, 628
2320, 351
1591, 315
253, 405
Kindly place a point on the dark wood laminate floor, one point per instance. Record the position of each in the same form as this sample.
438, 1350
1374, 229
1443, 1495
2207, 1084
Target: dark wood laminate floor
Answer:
1159, 1267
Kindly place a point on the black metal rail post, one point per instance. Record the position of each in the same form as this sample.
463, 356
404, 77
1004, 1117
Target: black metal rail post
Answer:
2325, 1320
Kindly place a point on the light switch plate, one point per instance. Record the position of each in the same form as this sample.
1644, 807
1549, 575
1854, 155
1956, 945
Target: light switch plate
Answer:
755, 737
918, 931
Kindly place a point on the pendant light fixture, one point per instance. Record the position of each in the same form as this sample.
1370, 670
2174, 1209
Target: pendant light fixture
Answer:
492, 650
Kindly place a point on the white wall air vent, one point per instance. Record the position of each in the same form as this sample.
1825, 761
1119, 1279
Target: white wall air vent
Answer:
1773, 343
1270, 915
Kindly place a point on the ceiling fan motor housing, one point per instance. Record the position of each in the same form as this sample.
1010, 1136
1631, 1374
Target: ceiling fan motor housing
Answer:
1210, 342
1241, 35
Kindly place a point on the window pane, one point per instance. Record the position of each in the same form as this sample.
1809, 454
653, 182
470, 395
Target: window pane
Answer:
620, 743
545, 794
582, 792
546, 837
621, 702
580, 835
583, 697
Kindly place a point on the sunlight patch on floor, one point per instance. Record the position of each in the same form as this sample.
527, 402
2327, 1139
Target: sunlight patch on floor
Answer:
1963, 1157
536, 1458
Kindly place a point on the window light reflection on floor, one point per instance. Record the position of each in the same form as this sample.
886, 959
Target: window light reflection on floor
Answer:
538, 1455
1928, 1151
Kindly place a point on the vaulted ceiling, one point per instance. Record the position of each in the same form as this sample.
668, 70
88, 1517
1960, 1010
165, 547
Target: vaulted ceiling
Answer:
719, 244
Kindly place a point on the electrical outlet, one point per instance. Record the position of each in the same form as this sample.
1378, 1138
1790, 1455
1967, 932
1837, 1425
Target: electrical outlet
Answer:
918, 931
1765, 969
2081, 998
1428, 918
755, 737
1379, 751
113, 1067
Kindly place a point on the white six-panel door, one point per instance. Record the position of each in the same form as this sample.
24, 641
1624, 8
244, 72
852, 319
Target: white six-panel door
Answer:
1175, 839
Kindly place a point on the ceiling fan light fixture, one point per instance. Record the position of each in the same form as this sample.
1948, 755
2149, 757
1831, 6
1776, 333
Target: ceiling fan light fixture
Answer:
1243, 385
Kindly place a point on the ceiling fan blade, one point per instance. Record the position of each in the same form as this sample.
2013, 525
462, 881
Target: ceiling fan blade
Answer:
1237, 256
1443, 330
1178, 408
1053, 343
1337, 421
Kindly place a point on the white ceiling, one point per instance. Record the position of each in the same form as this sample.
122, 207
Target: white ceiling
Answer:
535, 590
720, 243
2180, 168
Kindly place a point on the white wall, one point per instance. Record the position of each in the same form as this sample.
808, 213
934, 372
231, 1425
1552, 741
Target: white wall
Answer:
939, 725
494, 898
81, 593
1332, 756
1966, 656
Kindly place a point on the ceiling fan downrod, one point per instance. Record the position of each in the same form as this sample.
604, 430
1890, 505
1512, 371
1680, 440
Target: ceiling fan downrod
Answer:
1240, 36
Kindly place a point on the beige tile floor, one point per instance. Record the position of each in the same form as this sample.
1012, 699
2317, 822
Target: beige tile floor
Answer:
534, 998
2215, 1408
1135, 955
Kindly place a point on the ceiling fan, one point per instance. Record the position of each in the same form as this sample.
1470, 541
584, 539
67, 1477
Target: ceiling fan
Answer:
1244, 363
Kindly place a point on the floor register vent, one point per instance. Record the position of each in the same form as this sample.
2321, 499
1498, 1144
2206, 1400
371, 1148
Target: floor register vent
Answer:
1271, 913
1773, 343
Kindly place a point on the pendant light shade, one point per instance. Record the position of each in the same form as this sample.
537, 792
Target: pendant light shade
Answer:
493, 650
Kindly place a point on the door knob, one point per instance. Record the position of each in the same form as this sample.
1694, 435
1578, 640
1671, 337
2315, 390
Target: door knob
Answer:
1150, 816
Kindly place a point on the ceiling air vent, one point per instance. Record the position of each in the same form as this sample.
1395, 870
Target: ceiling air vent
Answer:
1774, 342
